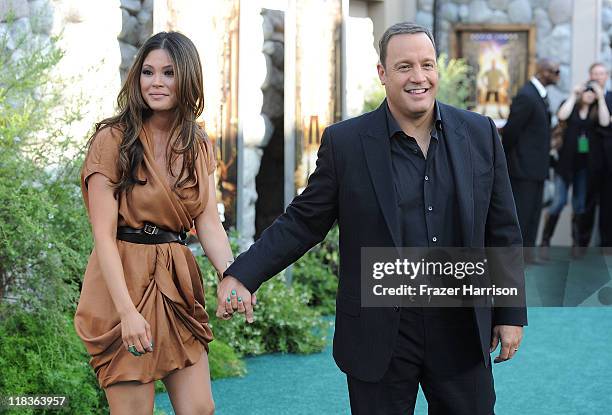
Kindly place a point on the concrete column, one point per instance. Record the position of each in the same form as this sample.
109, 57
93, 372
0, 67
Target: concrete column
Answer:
388, 12
290, 99
586, 25
160, 16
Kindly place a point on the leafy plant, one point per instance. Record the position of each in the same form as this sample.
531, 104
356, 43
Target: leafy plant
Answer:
44, 232
317, 273
283, 320
453, 85
374, 97
40, 353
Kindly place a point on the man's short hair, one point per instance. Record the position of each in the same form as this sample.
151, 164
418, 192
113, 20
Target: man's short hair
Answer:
596, 64
400, 29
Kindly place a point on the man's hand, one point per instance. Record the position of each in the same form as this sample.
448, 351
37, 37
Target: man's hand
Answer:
511, 337
232, 296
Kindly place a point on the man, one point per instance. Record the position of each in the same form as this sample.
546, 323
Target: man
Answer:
526, 140
602, 185
494, 81
414, 172
599, 74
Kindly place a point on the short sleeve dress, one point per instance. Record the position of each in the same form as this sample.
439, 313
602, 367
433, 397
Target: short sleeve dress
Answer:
163, 280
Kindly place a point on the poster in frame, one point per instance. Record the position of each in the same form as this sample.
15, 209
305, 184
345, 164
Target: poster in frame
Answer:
501, 58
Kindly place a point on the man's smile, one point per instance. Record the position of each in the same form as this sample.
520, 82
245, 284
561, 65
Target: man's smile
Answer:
416, 91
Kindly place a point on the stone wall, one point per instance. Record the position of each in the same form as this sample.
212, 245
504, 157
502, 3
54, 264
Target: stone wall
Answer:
553, 20
32, 18
137, 27
606, 33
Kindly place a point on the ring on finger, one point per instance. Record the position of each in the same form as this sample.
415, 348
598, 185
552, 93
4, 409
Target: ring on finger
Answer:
132, 350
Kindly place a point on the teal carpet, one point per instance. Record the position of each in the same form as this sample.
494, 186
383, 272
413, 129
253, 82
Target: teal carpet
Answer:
564, 366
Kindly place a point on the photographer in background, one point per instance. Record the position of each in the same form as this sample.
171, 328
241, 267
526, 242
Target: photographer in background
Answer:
583, 111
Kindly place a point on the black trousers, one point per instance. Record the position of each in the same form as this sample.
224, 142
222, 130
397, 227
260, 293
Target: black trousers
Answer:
439, 349
528, 199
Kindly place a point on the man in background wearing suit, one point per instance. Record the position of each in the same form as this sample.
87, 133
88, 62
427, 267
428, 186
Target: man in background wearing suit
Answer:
603, 176
414, 172
526, 140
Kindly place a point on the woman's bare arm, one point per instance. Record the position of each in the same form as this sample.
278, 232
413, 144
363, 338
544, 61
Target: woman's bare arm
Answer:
103, 212
211, 234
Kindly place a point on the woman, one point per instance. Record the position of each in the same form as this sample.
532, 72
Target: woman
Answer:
583, 111
147, 178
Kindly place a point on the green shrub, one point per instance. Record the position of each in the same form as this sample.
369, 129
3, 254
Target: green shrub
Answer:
40, 353
223, 361
374, 97
316, 273
44, 233
283, 320
453, 86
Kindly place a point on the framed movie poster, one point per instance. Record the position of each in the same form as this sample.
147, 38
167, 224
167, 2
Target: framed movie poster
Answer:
502, 59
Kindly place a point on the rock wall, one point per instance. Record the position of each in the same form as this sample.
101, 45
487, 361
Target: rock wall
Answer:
137, 27
606, 33
32, 18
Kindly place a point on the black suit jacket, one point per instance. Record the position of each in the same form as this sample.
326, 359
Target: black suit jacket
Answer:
526, 135
353, 184
604, 162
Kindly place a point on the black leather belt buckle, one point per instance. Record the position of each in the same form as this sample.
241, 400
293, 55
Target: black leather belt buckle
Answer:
150, 229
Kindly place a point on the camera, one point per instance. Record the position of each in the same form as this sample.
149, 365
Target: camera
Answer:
589, 87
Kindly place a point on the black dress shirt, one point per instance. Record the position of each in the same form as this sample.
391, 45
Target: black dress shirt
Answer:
425, 188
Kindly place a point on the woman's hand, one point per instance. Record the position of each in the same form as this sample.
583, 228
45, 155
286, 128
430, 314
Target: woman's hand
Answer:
578, 89
598, 90
136, 331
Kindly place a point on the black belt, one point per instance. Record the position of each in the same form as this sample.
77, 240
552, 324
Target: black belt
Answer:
150, 235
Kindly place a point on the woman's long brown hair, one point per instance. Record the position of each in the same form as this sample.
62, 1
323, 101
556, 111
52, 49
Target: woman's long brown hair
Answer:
133, 110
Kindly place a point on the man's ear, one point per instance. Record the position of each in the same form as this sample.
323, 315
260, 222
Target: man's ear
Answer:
381, 73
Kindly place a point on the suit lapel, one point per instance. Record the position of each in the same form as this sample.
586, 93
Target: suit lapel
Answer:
377, 150
458, 145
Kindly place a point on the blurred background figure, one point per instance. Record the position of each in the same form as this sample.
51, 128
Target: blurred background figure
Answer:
582, 112
494, 80
526, 141
602, 179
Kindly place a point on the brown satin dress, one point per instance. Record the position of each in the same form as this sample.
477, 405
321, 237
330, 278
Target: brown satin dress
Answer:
164, 280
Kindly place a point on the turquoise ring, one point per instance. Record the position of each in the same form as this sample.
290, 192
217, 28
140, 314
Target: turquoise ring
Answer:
132, 349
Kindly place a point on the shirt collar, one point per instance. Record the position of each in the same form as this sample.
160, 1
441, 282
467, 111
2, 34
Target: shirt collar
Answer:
393, 127
541, 89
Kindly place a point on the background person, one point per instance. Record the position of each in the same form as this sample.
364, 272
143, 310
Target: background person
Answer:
582, 112
526, 140
603, 178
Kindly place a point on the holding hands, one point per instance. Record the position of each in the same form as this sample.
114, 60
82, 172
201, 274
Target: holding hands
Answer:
233, 296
